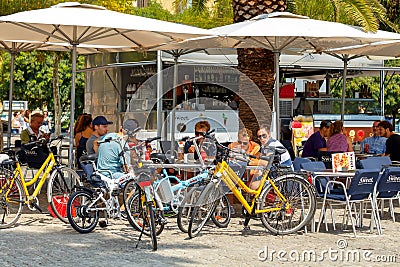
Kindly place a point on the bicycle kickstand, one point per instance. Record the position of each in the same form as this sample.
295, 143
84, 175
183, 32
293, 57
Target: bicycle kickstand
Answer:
140, 236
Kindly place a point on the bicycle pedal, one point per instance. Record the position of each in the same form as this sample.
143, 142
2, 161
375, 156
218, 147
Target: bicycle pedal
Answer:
103, 224
163, 221
36, 206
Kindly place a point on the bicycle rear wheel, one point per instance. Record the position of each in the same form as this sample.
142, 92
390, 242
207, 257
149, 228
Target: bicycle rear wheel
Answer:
136, 207
222, 213
82, 213
12, 198
203, 209
62, 183
186, 208
301, 198
152, 225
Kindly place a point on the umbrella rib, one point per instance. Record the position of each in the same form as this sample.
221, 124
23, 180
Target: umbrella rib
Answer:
46, 34
93, 35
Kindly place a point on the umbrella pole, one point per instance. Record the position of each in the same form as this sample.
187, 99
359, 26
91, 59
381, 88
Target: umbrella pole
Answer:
276, 96
172, 129
382, 93
71, 123
10, 95
159, 93
345, 62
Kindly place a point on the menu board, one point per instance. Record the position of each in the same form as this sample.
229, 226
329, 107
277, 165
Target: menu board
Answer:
343, 162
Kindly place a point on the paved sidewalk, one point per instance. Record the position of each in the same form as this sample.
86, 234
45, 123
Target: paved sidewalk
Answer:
40, 240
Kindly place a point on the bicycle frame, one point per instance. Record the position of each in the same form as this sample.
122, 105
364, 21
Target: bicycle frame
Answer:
230, 178
43, 172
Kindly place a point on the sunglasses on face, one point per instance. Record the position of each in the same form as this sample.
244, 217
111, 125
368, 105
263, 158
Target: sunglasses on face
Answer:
262, 136
199, 133
243, 143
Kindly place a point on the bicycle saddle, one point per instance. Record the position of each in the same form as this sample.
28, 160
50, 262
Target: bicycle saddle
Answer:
91, 157
159, 158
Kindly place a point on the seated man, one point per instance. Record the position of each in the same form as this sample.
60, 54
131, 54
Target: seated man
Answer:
37, 154
32, 132
110, 154
200, 128
100, 128
267, 141
316, 142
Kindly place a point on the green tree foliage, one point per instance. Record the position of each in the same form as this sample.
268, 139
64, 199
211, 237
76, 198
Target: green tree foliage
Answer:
365, 13
33, 78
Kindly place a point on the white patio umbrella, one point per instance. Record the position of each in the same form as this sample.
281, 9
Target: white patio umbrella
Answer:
78, 24
14, 47
283, 31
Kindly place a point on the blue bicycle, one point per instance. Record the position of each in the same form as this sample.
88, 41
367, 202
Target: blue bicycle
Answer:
174, 197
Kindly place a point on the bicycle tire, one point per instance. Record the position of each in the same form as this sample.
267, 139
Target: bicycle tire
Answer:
152, 226
11, 199
135, 208
130, 188
302, 200
203, 209
222, 213
61, 184
82, 220
186, 208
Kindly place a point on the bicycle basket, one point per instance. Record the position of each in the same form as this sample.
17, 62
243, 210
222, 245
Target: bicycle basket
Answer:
35, 157
164, 191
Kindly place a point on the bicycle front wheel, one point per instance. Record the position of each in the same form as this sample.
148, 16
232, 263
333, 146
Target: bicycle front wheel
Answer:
135, 209
296, 213
82, 213
222, 213
186, 207
62, 183
152, 225
12, 198
203, 209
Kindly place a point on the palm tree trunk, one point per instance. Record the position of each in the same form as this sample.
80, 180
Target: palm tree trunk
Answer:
257, 64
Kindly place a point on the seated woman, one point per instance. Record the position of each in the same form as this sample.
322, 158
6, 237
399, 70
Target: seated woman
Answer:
338, 142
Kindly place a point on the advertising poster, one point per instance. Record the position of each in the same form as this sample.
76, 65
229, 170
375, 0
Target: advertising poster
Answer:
343, 162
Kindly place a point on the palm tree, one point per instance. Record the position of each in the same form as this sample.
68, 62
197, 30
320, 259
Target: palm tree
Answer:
258, 64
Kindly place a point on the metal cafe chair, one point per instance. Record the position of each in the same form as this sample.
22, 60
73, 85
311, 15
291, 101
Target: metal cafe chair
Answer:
388, 187
361, 189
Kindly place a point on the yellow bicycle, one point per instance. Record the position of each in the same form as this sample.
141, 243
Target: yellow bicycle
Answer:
14, 193
284, 200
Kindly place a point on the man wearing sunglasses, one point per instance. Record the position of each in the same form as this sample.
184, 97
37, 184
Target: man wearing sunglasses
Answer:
244, 144
264, 136
200, 129
316, 142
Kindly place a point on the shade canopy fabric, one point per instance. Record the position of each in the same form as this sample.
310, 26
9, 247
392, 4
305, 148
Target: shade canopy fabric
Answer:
385, 49
77, 23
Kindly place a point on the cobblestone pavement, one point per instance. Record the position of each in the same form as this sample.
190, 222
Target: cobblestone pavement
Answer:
40, 240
